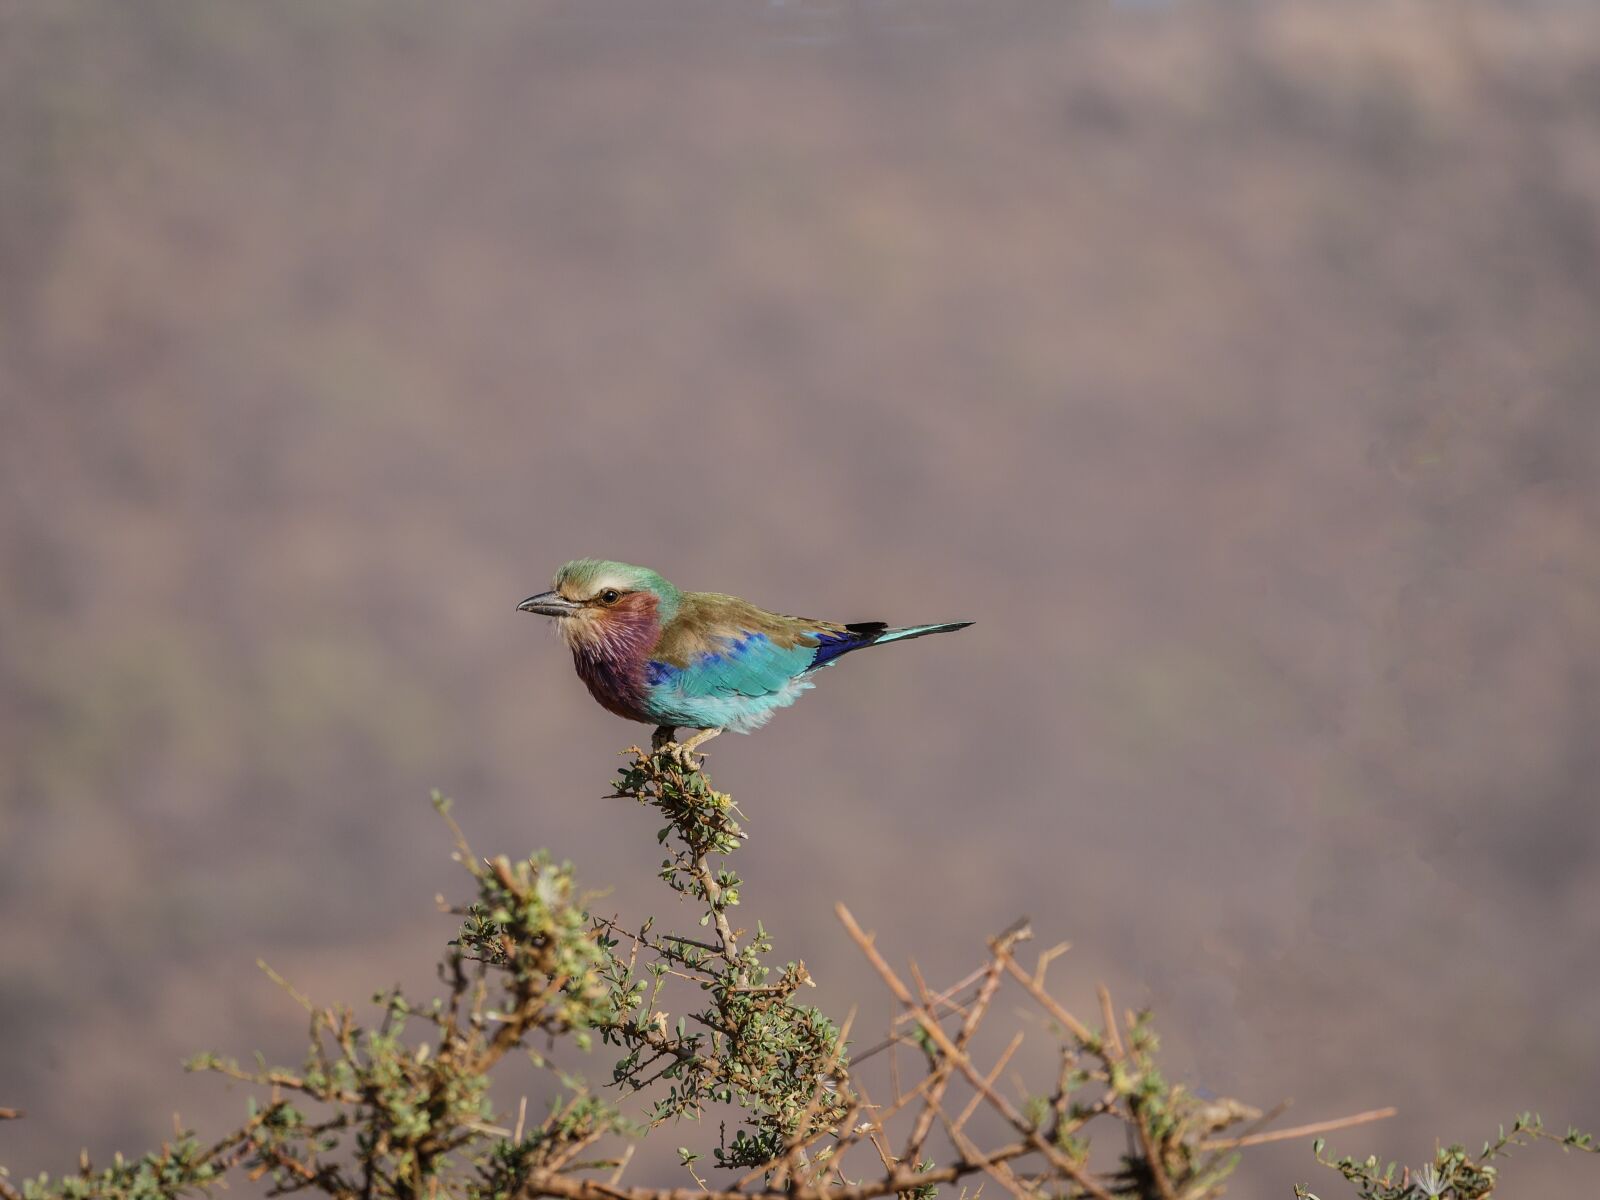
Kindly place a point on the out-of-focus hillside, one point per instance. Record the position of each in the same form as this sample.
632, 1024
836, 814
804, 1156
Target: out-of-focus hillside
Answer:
1235, 367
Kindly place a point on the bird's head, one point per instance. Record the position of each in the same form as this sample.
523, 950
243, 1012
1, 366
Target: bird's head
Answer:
593, 599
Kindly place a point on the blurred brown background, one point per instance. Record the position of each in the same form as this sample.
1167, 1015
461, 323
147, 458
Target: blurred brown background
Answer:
1234, 366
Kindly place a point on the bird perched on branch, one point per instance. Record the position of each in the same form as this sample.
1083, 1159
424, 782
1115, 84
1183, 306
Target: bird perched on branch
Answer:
695, 660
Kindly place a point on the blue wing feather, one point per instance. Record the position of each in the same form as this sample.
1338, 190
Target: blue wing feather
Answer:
747, 664
738, 686
752, 665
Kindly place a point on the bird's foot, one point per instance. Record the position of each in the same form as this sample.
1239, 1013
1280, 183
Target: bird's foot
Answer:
684, 749
664, 740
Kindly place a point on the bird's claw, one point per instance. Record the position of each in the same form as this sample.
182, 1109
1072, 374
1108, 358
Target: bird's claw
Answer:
681, 751
664, 743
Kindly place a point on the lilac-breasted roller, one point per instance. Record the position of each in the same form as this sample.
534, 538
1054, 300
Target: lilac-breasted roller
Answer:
696, 660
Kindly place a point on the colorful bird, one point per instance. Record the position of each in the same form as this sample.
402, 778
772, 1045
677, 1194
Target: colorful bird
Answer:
695, 660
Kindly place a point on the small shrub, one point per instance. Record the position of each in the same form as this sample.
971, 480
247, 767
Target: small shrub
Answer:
400, 1106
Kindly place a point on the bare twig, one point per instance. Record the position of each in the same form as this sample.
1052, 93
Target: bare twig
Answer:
1074, 1026
980, 1006
995, 1169
1279, 1135
1109, 1016
941, 1039
622, 1165
994, 1073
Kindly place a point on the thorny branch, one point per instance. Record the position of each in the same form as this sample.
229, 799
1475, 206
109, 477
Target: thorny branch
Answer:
401, 1109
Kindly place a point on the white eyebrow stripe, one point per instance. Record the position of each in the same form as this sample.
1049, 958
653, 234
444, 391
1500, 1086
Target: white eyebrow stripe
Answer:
604, 582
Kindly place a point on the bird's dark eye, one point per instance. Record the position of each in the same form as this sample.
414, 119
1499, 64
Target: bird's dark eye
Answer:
610, 596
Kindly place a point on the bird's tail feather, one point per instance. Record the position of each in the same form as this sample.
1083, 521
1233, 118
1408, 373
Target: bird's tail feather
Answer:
916, 631
870, 633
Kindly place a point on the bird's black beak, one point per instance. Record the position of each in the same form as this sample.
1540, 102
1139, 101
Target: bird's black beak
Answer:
548, 604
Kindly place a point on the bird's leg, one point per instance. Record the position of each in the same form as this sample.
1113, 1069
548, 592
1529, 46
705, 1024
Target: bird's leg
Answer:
705, 735
662, 738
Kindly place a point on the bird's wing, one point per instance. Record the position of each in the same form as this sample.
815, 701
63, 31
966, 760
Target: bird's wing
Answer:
722, 646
